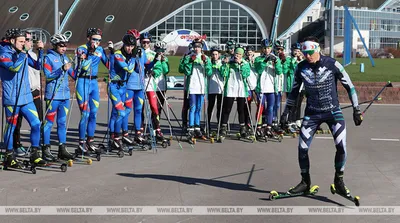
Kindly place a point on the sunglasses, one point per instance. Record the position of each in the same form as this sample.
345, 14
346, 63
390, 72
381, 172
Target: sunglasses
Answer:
62, 45
145, 42
308, 52
96, 40
28, 39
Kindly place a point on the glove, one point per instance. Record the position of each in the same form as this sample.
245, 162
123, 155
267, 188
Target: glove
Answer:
110, 45
357, 116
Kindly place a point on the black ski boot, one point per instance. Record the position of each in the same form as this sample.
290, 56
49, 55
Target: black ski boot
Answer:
268, 131
339, 184
190, 135
63, 154
90, 145
260, 132
303, 186
249, 130
126, 139
139, 138
82, 147
35, 157
159, 135
116, 143
11, 161
47, 155
198, 133
224, 130
243, 131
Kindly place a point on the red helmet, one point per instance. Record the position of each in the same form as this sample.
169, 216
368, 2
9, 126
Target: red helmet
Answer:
134, 33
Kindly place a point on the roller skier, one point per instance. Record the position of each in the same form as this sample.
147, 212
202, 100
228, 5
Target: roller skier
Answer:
319, 75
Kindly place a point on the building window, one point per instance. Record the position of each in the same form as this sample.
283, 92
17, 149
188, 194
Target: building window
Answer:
109, 18
309, 18
24, 16
68, 34
398, 9
13, 9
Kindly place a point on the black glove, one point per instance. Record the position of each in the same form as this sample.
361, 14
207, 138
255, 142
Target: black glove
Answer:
357, 116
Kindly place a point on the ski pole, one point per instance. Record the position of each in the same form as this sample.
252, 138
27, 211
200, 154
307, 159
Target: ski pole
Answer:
388, 84
361, 103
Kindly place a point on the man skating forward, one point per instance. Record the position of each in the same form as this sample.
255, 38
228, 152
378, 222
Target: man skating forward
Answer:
319, 75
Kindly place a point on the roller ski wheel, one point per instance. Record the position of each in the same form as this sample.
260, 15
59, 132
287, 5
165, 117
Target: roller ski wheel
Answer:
212, 140
64, 168
327, 131
280, 137
348, 196
130, 152
121, 154
70, 163
89, 161
273, 195
164, 144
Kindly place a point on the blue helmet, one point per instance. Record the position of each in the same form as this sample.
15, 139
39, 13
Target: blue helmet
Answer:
215, 48
266, 43
145, 35
93, 31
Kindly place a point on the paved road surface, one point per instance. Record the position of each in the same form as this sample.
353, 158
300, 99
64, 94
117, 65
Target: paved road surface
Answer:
217, 175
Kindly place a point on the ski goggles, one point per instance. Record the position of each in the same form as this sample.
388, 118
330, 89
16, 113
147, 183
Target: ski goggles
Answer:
309, 48
62, 45
146, 42
96, 40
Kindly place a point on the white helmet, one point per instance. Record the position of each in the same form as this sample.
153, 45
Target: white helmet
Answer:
161, 45
58, 38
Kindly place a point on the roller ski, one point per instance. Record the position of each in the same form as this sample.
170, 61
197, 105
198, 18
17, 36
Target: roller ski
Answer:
322, 131
292, 130
271, 134
86, 151
338, 187
245, 134
63, 157
302, 189
10, 162
46, 160
130, 144
160, 139
114, 145
198, 134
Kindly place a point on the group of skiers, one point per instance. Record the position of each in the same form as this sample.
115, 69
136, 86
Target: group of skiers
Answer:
237, 75
137, 75
133, 70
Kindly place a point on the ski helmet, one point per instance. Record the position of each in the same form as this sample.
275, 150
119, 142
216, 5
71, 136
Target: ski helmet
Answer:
145, 35
215, 48
231, 44
266, 43
129, 40
14, 33
249, 48
58, 38
296, 46
133, 32
197, 43
160, 46
94, 31
279, 44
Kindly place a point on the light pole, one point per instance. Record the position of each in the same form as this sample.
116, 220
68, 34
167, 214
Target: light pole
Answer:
332, 39
56, 17
59, 19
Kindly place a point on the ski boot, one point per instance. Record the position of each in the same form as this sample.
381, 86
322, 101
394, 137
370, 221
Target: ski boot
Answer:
83, 152
199, 133
47, 155
303, 188
35, 158
223, 132
249, 130
190, 135
20, 150
63, 154
91, 146
340, 188
160, 138
10, 161
127, 140
116, 144
277, 129
139, 138
269, 133
260, 134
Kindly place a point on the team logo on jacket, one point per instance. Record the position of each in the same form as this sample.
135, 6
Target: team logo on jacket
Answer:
56, 61
97, 54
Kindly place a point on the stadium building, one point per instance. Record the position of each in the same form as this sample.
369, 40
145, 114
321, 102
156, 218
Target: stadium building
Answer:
246, 21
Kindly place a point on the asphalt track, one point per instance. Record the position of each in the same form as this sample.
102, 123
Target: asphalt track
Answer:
217, 175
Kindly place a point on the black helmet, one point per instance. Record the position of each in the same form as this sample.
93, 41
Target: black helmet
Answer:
266, 43
249, 48
14, 33
215, 48
94, 31
296, 46
129, 40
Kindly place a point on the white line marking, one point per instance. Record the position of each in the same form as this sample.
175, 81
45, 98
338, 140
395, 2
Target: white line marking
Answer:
390, 140
324, 137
